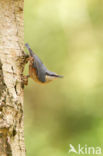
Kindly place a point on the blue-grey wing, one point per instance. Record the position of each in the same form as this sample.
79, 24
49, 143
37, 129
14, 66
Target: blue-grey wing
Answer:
41, 69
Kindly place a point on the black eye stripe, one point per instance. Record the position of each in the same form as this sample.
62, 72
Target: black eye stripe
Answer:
51, 75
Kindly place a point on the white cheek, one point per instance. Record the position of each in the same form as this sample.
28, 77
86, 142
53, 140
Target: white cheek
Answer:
49, 78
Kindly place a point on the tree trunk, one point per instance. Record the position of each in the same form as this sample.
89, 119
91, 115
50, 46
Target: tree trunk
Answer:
11, 87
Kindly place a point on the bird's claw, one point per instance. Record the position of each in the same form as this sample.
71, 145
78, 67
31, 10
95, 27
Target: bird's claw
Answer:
25, 79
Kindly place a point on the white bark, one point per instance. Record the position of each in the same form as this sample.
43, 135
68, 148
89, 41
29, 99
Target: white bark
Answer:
11, 86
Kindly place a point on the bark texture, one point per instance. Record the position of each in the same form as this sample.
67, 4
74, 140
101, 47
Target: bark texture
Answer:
11, 87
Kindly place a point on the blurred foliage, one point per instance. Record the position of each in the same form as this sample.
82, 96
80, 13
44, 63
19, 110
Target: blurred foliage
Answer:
68, 36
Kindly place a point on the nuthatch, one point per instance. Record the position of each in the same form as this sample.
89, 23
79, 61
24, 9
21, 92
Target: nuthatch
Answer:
37, 71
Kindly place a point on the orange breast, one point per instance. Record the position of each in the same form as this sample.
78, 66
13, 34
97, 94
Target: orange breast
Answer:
33, 75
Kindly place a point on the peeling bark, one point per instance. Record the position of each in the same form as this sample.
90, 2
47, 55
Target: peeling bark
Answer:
12, 61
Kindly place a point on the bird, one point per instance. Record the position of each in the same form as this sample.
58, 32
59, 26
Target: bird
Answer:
38, 71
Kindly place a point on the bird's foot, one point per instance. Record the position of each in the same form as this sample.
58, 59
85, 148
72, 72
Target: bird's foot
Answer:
31, 59
25, 79
27, 58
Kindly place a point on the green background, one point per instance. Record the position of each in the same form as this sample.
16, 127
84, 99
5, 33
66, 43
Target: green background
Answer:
68, 36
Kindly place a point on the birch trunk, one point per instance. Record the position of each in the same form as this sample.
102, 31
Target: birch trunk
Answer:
11, 87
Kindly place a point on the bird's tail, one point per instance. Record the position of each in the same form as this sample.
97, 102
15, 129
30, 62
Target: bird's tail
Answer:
29, 49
